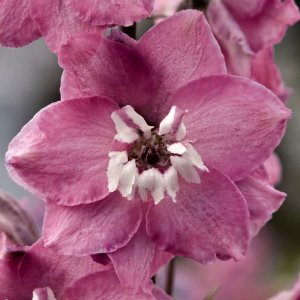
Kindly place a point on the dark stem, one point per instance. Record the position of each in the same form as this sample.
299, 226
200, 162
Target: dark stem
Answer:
130, 30
170, 277
199, 4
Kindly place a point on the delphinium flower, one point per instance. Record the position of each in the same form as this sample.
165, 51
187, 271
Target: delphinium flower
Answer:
292, 294
23, 21
151, 163
247, 33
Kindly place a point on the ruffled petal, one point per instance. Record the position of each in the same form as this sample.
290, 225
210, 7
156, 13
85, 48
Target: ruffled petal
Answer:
233, 123
117, 12
57, 23
268, 26
262, 199
99, 227
62, 153
16, 26
209, 219
231, 38
265, 71
139, 260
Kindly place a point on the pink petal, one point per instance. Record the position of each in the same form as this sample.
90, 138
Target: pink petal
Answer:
139, 260
58, 23
16, 26
231, 38
40, 267
273, 168
262, 199
180, 49
268, 26
62, 153
96, 66
233, 123
111, 12
104, 286
99, 227
266, 72
209, 219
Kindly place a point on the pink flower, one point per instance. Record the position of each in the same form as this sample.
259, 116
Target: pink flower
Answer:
293, 294
23, 21
247, 32
151, 163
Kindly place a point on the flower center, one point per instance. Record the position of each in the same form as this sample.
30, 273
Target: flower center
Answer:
153, 157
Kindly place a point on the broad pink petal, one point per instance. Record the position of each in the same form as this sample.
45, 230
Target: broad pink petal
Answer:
57, 23
209, 219
180, 49
16, 26
104, 286
233, 123
273, 168
41, 267
116, 12
99, 227
139, 260
265, 71
262, 199
62, 153
96, 66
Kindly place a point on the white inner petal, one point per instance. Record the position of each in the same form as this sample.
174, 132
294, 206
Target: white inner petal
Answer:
127, 178
194, 157
165, 125
185, 169
171, 182
43, 294
137, 119
145, 183
157, 157
115, 167
158, 188
176, 148
125, 133
181, 132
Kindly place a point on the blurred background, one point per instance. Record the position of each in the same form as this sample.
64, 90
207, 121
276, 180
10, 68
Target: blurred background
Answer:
30, 78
